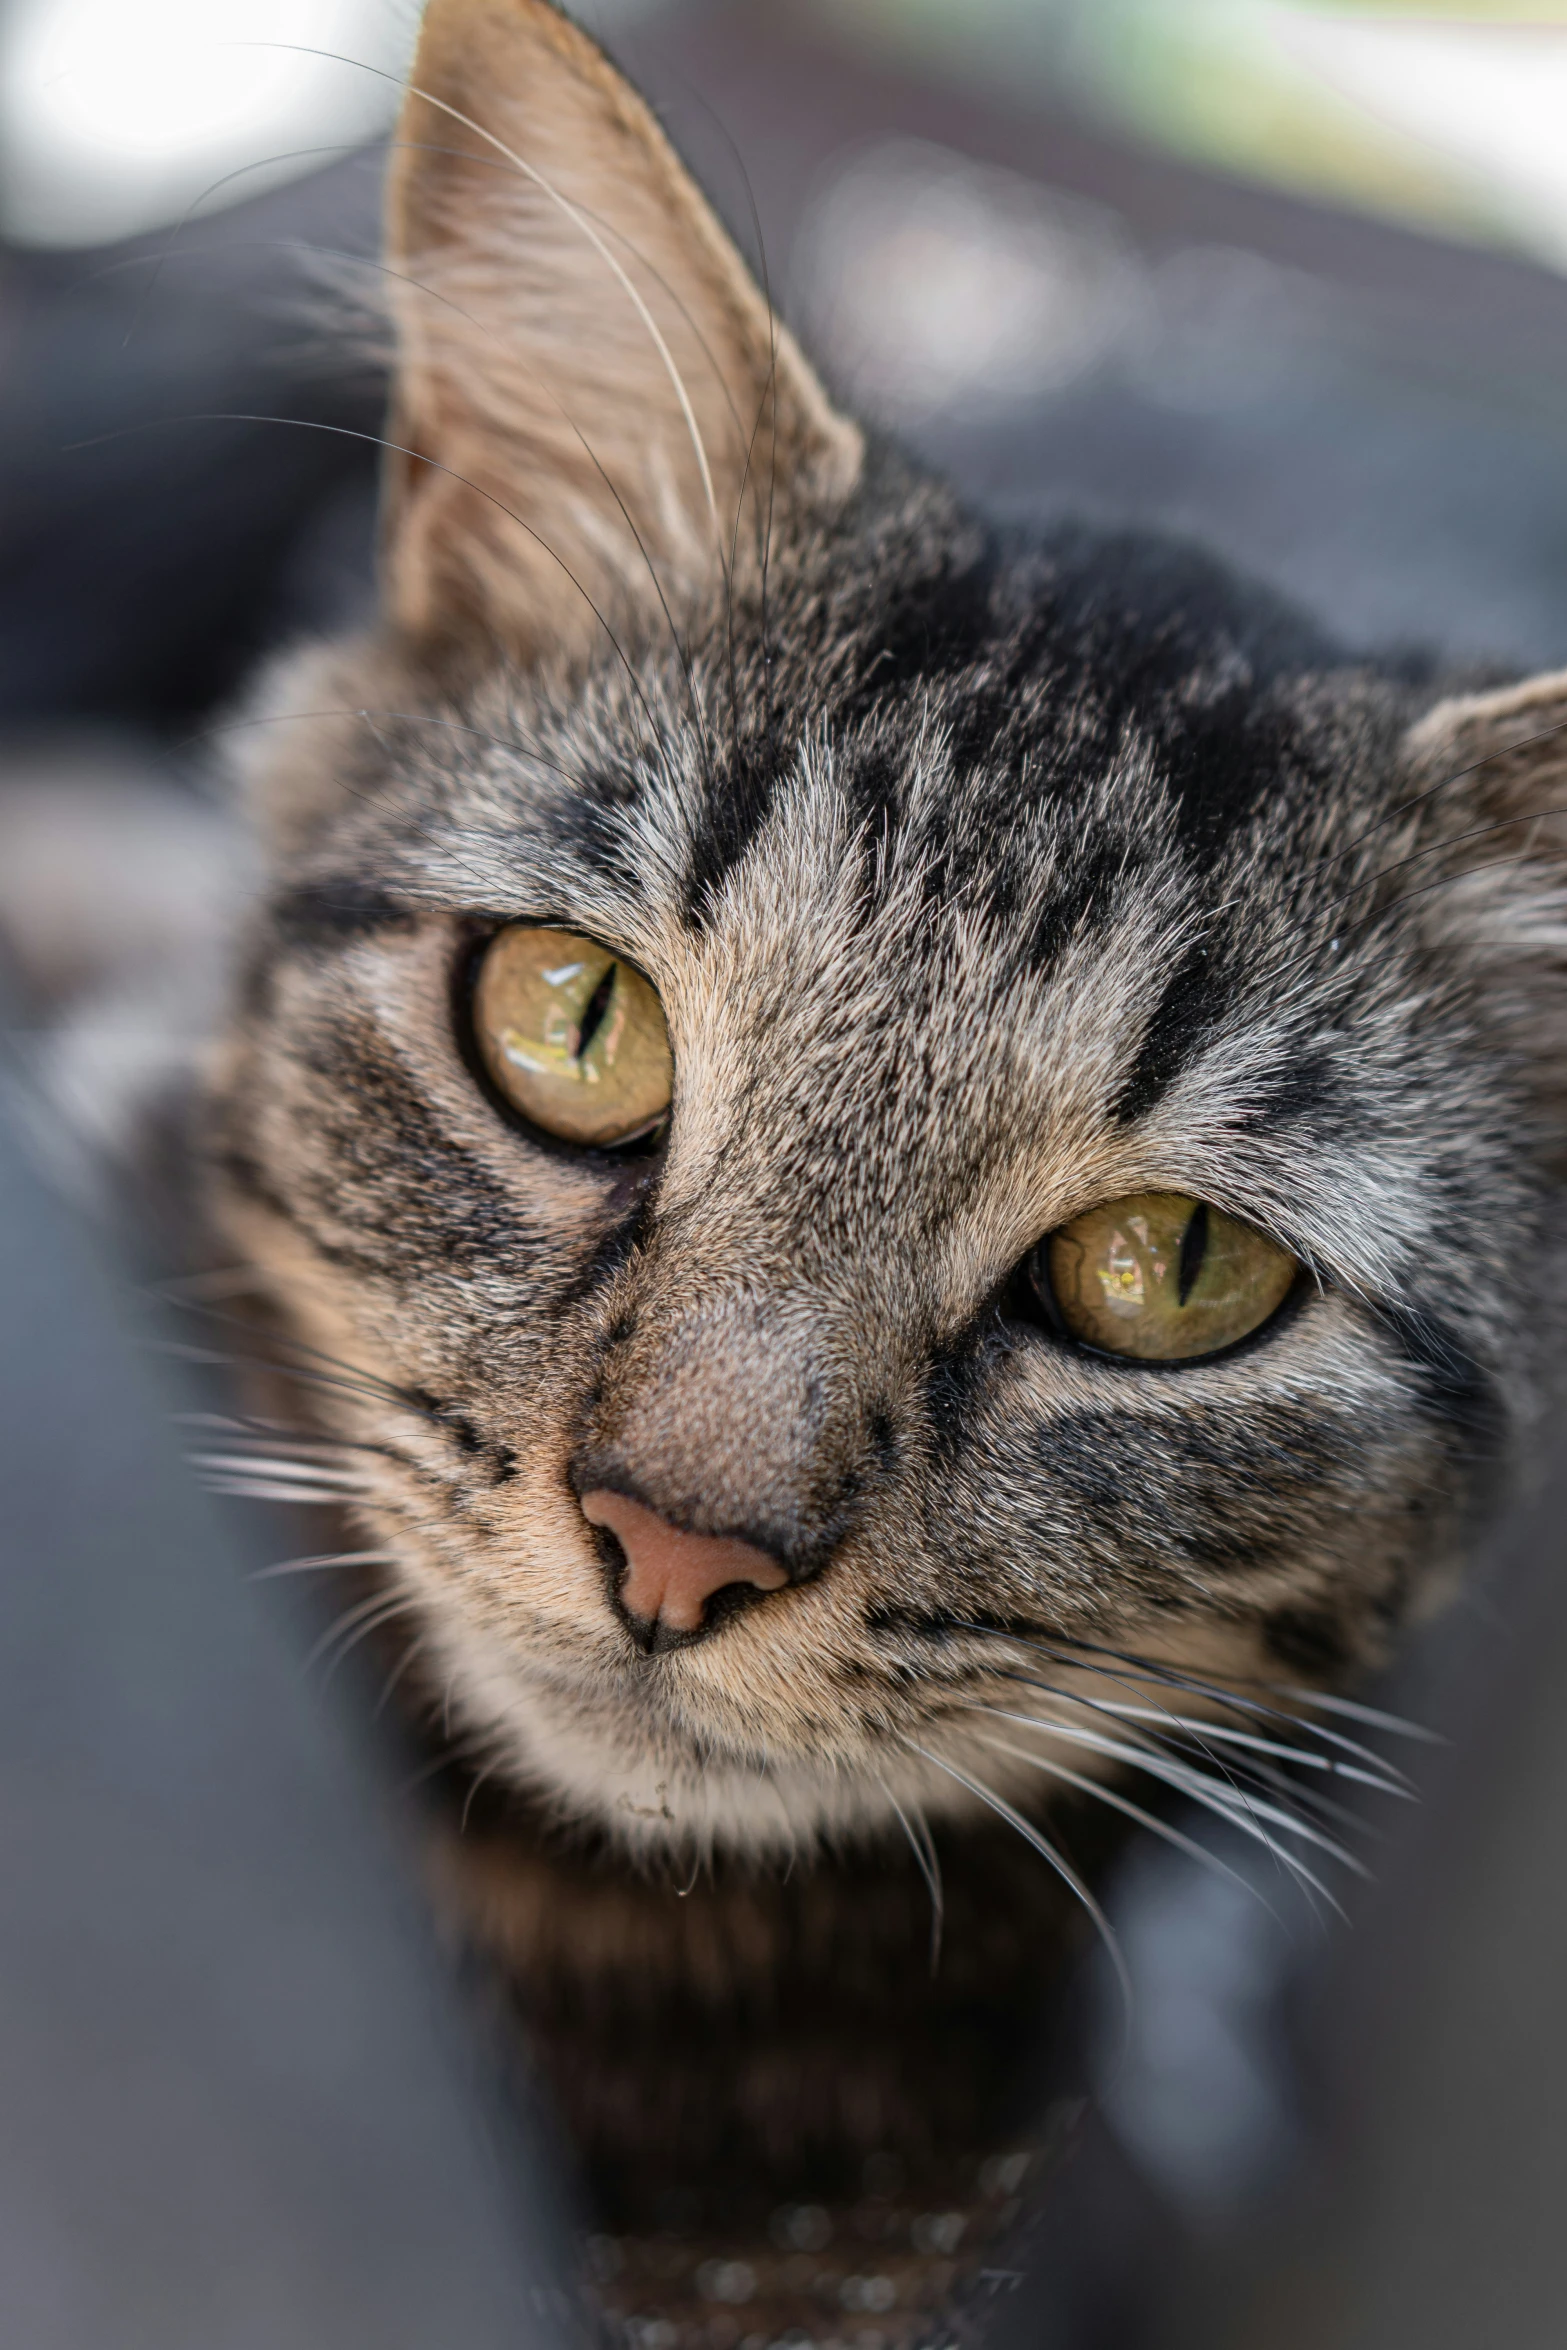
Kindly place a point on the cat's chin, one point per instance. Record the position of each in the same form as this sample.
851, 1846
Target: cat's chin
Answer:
664, 1806
598, 1759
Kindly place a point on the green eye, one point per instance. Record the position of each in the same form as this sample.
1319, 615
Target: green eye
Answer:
572, 1037
1161, 1278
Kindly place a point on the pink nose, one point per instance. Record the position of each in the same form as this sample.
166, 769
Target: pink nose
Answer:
671, 1575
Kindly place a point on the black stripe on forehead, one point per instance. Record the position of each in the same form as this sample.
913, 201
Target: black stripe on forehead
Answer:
930, 626
1177, 1030
735, 808
1301, 1082
924, 625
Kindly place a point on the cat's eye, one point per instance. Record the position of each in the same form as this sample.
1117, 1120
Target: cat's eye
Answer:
572, 1036
1160, 1278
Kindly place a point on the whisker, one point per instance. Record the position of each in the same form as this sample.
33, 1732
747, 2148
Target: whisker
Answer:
369, 1385
1443, 881
1112, 1796
188, 1290
1048, 1852
1140, 1668
928, 1861
1074, 1664
562, 203
183, 1352
1395, 1783
360, 1620
1405, 898
474, 1785
1238, 1771
256, 1434
1438, 847
413, 1651
1161, 1763
1235, 1772
260, 1464
1369, 1714
214, 187
1254, 1815
433, 294
244, 1489
329, 1559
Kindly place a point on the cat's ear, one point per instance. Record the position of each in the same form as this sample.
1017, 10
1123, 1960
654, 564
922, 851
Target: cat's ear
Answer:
595, 403
1490, 770
1513, 737
1495, 768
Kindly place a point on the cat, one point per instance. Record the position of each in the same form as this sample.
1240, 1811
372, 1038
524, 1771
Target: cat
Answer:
899, 1168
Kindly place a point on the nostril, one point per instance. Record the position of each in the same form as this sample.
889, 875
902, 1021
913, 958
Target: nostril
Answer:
671, 1575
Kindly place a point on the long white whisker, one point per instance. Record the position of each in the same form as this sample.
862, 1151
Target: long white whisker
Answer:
1387, 1780
1165, 1676
381, 1608
1135, 1811
296, 1496
1145, 1669
1252, 1813
314, 1566
1041, 1844
1362, 1713
1228, 1769
928, 1862
281, 1471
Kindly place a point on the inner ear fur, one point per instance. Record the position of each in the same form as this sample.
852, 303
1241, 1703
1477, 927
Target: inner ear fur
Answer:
595, 406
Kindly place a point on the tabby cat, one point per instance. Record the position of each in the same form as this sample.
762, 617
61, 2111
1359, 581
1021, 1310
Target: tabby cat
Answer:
903, 1167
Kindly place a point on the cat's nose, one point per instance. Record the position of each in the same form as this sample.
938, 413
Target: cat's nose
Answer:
670, 1574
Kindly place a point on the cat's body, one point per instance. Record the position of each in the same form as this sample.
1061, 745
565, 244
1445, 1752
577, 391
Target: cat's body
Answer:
980, 883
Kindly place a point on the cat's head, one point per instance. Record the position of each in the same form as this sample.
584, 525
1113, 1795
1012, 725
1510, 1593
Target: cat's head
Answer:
867, 1122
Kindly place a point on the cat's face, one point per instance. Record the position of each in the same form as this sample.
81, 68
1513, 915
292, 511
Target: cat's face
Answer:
977, 890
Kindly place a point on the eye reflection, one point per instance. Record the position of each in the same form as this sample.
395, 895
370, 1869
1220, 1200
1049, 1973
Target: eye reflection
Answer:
1161, 1277
572, 1036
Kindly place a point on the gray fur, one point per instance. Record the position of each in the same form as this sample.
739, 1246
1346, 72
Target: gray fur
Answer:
1083, 905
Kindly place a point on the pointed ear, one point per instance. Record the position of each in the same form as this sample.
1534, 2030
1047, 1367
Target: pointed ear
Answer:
596, 404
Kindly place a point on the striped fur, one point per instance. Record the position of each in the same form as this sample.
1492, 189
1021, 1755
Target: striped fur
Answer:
983, 880
987, 883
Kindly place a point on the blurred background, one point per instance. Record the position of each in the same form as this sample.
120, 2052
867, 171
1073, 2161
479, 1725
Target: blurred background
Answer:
1282, 273
1286, 275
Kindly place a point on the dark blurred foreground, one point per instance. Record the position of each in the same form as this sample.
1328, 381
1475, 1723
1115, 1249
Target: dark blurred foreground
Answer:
242, 2101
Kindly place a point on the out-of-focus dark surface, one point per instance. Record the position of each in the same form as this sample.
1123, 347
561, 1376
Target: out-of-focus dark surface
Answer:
239, 2104
1424, 2213
1307, 2137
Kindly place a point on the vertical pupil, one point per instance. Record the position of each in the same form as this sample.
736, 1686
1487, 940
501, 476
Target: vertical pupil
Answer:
595, 1011
1194, 1248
